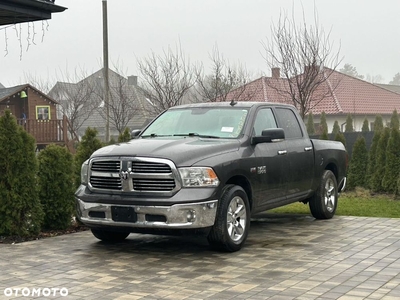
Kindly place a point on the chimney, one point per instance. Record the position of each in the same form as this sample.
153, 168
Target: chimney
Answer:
276, 72
132, 80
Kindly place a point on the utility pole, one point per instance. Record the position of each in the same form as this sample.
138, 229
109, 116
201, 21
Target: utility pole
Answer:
105, 71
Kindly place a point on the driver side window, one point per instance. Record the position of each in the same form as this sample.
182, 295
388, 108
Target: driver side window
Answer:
264, 120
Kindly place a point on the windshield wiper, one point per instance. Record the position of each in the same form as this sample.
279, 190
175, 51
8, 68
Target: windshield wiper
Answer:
155, 135
198, 135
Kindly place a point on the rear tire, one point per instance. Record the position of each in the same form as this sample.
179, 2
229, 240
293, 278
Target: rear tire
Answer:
232, 222
109, 236
324, 202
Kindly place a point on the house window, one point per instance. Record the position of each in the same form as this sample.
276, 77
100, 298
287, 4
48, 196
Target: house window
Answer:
43, 112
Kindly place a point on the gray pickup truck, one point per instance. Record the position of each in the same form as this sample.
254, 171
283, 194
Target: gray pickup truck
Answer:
208, 168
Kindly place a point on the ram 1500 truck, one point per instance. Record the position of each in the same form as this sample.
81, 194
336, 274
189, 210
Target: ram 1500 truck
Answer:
209, 168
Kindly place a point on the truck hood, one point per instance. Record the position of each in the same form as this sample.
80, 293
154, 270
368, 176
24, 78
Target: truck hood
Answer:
183, 151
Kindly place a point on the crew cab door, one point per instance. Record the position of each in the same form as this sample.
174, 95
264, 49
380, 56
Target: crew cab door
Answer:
269, 170
299, 154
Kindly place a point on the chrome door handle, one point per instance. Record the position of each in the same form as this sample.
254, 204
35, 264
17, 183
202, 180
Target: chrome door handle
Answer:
307, 148
282, 152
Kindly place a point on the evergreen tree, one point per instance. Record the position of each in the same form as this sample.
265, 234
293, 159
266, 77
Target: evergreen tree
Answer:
89, 143
365, 127
339, 137
310, 124
349, 124
323, 124
396, 79
397, 193
324, 127
111, 142
379, 172
392, 167
394, 120
124, 136
56, 188
358, 164
378, 124
324, 136
20, 210
372, 157
336, 128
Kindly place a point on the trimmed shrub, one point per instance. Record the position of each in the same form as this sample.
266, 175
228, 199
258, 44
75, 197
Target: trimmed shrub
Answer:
89, 143
358, 164
392, 167
377, 176
20, 210
56, 186
349, 124
378, 124
365, 127
310, 124
339, 137
111, 142
397, 193
336, 128
324, 127
372, 158
394, 120
124, 136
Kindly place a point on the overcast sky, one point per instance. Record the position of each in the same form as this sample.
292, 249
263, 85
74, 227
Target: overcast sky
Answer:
367, 31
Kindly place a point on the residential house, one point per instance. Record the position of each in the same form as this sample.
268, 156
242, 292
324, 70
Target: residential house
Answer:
84, 104
36, 113
13, 12
347, 95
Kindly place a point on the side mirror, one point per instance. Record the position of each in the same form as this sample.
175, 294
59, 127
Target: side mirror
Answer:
268, 136
135, 133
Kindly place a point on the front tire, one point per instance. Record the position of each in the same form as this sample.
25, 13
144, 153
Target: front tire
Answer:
324, 202
232, 222
109, 236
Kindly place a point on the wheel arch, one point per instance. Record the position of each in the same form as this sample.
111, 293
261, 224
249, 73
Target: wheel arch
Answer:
244, 183
334, 169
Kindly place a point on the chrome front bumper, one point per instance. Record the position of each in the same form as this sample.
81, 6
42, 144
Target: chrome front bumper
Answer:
179, 216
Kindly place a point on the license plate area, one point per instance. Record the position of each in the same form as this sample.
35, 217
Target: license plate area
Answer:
123, 214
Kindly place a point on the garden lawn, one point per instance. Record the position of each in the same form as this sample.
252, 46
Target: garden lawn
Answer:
359, 204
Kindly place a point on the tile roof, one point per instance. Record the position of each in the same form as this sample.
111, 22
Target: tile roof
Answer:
351, 95
390, 87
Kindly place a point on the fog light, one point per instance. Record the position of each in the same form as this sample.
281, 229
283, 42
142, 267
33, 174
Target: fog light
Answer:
191, 215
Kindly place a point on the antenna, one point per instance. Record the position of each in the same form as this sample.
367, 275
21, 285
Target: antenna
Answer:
233, 102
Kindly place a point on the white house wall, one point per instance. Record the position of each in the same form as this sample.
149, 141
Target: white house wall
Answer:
358, 121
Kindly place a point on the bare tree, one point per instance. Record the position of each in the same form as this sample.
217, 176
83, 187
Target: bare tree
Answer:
225, 81
76, 96
305, 57
124, 102
374, 78
166, 79
42, 84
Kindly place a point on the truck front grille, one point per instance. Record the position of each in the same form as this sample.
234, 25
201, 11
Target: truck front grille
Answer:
149, 167
133, 174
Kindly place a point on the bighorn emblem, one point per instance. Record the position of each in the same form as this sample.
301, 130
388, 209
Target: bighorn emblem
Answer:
124, 175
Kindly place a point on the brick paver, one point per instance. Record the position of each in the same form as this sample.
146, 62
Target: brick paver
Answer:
293, 257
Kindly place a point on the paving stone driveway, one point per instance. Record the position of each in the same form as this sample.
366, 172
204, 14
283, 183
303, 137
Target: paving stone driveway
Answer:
292, 257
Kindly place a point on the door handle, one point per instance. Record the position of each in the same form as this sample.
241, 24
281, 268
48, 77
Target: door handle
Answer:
307, 148
282, 152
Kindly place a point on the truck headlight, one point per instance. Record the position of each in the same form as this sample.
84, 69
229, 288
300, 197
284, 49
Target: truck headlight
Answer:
198, 177
84, 172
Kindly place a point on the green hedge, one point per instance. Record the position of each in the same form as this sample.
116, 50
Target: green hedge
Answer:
56, 187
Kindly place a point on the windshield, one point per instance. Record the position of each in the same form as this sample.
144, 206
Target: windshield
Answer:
198, 121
